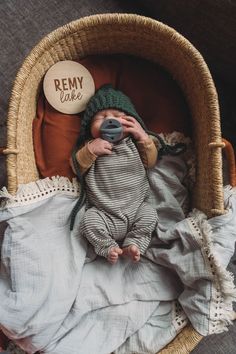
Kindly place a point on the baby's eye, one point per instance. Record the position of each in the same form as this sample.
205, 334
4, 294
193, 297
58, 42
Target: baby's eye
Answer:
99, 117
119, 114
114, 115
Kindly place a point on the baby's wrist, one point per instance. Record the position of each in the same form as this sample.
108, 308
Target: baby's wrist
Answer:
91, 149
143, 138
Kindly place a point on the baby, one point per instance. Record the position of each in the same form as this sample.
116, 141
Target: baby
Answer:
118, 220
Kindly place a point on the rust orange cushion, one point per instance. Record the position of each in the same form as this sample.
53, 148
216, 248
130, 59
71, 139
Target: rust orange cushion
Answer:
156, 96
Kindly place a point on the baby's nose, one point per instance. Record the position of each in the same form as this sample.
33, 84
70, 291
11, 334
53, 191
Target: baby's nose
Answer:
118, 118
111, 118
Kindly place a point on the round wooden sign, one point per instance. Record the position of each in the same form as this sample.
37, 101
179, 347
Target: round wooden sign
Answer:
68, 86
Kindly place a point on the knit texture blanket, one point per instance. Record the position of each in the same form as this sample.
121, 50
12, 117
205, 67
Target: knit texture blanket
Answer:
58, 297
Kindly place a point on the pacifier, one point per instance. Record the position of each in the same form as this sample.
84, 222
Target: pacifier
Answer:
111, 130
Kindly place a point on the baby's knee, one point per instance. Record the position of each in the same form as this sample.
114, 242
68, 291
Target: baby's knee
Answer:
153, 214
93, 220
149, 211
150, 217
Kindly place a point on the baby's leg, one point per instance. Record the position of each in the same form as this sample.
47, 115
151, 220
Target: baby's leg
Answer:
139, 237
94, 227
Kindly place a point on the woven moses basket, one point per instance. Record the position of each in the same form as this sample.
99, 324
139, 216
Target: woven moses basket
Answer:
142, 37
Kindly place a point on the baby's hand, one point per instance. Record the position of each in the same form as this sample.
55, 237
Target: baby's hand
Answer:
132, 126
100, 147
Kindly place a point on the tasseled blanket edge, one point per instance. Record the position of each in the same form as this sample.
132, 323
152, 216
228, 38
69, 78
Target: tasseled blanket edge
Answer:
223, 291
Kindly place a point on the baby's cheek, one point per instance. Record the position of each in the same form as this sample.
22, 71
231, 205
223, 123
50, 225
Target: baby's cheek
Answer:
95, 130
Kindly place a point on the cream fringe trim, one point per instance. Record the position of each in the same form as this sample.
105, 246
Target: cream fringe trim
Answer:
223, 289
179, 318
39, 190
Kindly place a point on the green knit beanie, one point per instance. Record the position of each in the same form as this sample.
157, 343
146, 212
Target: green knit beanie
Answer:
107, 97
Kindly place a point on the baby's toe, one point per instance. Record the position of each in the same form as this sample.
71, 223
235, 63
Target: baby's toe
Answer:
113, 254
136, 258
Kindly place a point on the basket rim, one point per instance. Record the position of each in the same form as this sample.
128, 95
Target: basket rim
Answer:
92, 21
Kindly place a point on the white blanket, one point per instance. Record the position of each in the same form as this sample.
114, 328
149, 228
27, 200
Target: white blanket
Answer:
58, 298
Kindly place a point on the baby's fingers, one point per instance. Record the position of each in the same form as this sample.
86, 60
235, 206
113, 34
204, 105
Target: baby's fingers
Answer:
127, 122
107, 151
130, 119
107, 148
129, 129
108, 145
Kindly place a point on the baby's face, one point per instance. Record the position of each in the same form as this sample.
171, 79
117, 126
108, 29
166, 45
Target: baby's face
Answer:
101, 116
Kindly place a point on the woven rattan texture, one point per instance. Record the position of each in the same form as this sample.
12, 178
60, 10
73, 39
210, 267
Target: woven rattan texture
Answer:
184, 343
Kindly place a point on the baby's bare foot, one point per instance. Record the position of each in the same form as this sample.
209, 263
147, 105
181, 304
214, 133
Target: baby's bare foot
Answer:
133, 252
114, 253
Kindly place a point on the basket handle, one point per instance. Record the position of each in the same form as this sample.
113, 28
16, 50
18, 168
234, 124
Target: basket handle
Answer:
229, 152
6, 151
230, 156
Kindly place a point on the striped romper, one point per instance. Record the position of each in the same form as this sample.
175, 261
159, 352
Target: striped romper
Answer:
117, 211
